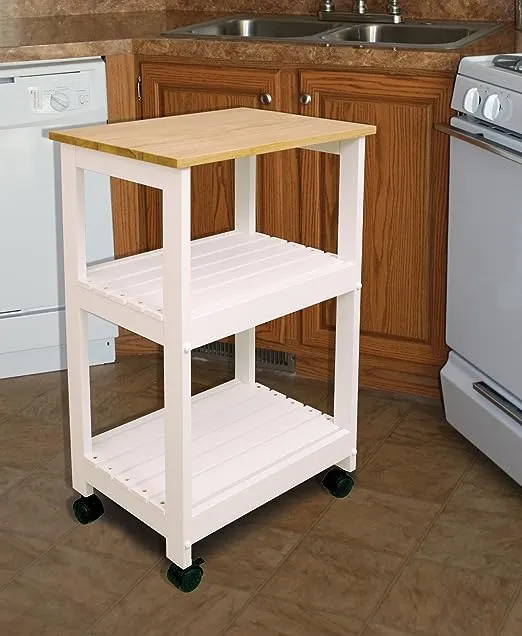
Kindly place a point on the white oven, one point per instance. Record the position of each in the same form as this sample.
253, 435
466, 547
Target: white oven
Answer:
484, 310
482, 380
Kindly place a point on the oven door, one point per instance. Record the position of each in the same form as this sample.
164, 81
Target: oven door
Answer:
484, 304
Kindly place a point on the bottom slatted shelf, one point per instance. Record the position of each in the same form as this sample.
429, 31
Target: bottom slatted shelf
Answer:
242, 435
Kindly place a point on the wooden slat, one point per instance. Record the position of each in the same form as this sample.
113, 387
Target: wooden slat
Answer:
227, 436
241, 425
257, 267
134, 435
144, 452
256, 430
201, 138
253, 459
218, 242
235, 257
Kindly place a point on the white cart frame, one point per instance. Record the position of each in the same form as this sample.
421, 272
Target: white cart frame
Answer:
182, 479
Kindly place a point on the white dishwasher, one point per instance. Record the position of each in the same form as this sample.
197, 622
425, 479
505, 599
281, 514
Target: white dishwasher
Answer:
36, 97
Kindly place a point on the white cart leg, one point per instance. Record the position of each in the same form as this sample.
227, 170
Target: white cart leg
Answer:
177, 366
73, 202
351, 201
347, 370
245, 221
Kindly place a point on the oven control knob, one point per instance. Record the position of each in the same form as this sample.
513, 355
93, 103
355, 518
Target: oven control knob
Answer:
472, 100
492, 107
59, 101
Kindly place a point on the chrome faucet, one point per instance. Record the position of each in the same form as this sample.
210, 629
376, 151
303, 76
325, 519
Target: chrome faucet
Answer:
360, 12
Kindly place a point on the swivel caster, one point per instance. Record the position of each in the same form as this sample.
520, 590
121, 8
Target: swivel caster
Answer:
186, 580
88, 509
338, 482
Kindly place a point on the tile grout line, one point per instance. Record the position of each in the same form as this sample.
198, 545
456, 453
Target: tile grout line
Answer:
38, 467
505, 617
88, 631
413, 552
380, 444
270, 576
53, 544
264, 583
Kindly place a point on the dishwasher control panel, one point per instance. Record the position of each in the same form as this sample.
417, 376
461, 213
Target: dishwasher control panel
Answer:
72, 92
46, 99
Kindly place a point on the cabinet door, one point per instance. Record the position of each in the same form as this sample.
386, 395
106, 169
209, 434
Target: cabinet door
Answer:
173, 89
405, 222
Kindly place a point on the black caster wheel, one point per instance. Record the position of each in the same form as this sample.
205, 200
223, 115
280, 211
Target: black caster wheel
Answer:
338, 482
88, 509
186, 580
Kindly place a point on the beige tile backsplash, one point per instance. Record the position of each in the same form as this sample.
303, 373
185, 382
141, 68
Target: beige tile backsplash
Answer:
37, 8
502, 10
430, 9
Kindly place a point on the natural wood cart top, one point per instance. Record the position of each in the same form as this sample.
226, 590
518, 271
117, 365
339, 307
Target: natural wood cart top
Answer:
190, 140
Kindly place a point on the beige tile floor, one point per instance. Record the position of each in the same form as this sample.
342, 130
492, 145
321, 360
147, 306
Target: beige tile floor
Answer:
429, 542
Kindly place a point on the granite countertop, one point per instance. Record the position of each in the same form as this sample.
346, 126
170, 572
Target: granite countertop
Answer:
85, 35
109, 34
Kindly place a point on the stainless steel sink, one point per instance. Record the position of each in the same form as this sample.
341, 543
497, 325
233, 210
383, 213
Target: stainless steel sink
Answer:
267, 28
416, 35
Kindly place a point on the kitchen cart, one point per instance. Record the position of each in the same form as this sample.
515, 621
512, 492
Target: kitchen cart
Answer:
201, 462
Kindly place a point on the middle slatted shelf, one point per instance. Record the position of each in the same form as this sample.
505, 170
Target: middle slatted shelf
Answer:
238, 280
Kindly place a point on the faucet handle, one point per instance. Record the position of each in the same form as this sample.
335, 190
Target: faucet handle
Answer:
327, 5
394, 7
359, 7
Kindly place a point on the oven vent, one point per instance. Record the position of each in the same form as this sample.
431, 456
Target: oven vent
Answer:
265, 358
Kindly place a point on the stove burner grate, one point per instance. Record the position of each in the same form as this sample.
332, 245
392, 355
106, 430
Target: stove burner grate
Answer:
509, 62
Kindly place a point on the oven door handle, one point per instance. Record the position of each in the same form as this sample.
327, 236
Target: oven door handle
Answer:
479, 142
499, 401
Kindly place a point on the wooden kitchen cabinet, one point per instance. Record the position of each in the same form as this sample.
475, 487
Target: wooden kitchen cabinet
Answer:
405, 222
176, 89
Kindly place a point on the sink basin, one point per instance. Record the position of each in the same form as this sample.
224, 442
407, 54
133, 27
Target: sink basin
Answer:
412, 35
268, 28
304, 29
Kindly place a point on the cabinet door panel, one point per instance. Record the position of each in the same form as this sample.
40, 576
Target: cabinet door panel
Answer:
171, 89
404, 252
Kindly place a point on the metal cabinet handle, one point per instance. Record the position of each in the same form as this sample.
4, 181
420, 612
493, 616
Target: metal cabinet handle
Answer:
305, 99
480, 142
265, 98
